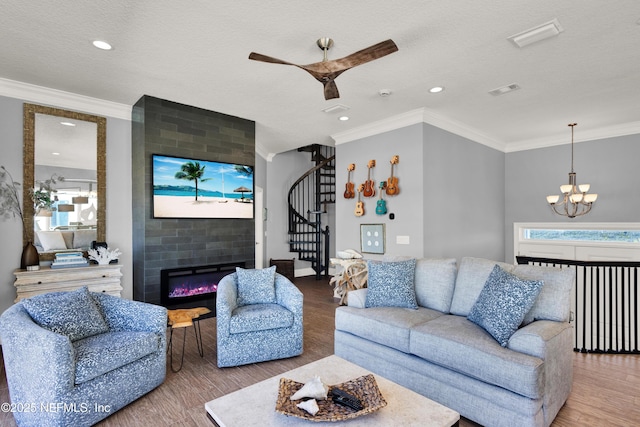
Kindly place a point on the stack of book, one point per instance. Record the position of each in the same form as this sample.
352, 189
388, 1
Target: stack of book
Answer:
69, 259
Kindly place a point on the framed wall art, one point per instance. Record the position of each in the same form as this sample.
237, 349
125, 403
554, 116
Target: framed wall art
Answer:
372, 238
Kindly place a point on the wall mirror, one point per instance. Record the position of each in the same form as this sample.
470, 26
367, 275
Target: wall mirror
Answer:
64, 197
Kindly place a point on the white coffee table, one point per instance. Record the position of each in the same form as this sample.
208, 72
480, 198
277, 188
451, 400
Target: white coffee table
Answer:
255, 405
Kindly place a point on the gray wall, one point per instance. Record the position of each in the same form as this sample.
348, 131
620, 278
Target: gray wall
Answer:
463, 187
451, 200
118, 194
610, 165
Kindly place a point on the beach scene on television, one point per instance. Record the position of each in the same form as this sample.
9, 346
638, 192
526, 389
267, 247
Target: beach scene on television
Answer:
188, 188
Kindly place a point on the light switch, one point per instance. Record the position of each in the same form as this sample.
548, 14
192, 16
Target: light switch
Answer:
402, 240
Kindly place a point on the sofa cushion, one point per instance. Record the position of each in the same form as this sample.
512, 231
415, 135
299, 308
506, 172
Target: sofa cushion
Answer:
256, 286
388, 326
73, 313
503, 303
462, 346
435, 281
51, 240
84, 238
103, 353
259, 317
472, 275
390, 284
554, 301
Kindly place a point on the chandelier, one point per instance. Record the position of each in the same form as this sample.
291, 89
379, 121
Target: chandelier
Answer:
576, 199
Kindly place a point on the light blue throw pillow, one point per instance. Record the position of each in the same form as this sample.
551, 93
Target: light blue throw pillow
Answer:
74, 313
390, 284
256, 286
503, 303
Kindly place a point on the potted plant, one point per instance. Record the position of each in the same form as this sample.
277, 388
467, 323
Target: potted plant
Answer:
10, 208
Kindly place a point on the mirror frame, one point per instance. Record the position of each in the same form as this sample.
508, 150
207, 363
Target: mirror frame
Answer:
30, 111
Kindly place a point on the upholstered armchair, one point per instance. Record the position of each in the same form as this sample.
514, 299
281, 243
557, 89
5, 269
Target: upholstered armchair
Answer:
259, 317
74, 358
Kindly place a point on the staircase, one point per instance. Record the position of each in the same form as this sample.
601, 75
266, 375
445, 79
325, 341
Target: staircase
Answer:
308, 199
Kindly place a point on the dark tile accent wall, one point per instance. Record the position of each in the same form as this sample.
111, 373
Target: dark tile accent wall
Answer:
169, 128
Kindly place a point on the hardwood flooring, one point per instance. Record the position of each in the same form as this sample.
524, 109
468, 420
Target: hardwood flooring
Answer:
605, 388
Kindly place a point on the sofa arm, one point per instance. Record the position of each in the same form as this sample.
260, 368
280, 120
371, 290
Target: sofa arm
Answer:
357, 298
552, 342
127, 315
226, 302
39, 363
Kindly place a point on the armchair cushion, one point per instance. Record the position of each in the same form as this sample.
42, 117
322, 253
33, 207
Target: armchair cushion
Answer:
259, 317
503, 303
73, 314
103, 353
256, 286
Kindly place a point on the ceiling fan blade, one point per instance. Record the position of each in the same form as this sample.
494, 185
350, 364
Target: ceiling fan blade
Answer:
331, 90
270, 59
365, 55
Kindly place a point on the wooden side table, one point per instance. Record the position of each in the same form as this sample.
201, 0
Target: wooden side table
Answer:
183, 318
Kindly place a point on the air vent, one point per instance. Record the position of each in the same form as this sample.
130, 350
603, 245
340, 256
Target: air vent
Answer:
504, 89
536, 34
336, 108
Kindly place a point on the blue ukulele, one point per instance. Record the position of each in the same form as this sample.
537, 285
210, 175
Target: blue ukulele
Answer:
381, 205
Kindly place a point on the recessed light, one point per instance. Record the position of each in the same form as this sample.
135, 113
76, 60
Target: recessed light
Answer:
67, 124
343, 118
436, 89
384, 92
55, 153
504, 89
102, 45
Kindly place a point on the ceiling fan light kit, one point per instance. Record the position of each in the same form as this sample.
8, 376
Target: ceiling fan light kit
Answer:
327, 70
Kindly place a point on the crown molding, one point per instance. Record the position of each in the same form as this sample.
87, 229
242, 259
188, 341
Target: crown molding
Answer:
62, 99
420, 115
623, 129
263, 152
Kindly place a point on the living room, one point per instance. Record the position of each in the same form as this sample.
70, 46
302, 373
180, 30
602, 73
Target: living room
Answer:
461, 191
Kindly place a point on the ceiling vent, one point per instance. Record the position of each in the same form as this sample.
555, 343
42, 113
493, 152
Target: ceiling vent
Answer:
504, 89
338, 108
536, 34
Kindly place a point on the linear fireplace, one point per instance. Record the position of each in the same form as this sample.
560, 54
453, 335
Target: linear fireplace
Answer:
188, 287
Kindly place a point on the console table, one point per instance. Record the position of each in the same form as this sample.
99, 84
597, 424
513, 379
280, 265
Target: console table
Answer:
98, 278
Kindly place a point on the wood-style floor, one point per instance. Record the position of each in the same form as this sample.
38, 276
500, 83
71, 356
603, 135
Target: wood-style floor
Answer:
605, 388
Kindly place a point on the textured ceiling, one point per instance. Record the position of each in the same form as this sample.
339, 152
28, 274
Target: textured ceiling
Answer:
195, 53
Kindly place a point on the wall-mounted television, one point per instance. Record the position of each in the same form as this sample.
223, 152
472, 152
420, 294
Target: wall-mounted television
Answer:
191, 188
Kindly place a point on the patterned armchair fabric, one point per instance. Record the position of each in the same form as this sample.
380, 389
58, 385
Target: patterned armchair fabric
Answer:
258, 332
59, 382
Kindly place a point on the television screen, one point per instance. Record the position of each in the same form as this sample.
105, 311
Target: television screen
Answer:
189, 188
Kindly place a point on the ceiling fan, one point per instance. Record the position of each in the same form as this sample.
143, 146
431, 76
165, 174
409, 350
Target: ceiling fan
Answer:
326, 71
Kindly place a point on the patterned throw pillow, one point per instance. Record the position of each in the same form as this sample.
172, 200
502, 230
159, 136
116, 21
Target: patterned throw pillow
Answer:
73, 314
256, 286
390, 284
503, 303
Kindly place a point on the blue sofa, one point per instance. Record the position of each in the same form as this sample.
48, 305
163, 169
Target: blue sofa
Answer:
60, 377
438, 352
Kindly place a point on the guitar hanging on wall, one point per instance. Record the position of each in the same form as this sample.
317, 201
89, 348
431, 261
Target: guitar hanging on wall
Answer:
381, 205
359, 211
369, 185
392, 183
348, 192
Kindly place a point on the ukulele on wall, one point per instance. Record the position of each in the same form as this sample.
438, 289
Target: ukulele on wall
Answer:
381, 205
359, 211
369, 185
348, 192
392, 183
